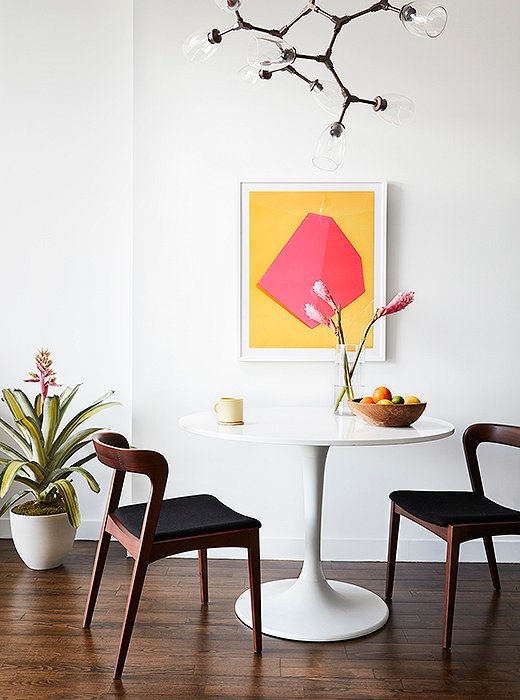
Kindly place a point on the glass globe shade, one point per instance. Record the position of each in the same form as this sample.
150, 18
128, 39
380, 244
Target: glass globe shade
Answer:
424, 18
400, 110
229, 5
198, 48
269, 53
328, 95
330, 149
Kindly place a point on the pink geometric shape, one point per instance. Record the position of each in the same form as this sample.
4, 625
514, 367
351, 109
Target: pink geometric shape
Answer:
317, 250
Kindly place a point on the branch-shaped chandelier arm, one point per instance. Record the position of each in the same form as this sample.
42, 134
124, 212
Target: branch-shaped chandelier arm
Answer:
373, 8
219, 34
242, 24
330, 66
346, 105
270, 53
308, 57
354, 99
335, 34
306, 10
293, 71
319, 11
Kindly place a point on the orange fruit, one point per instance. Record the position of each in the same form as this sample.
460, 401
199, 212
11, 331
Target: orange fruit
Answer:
385, 402
367, 399
381, 393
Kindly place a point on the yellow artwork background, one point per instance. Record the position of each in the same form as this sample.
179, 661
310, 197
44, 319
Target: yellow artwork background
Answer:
273, 218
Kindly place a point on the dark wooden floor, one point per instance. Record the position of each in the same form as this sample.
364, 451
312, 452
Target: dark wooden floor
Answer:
180, 650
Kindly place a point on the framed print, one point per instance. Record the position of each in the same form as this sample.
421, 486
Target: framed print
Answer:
293, 234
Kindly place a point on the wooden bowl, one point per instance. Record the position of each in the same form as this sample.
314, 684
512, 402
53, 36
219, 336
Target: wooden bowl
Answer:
388, 416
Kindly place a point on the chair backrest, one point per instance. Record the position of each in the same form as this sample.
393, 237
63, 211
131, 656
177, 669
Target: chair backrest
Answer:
113, 450
478, 433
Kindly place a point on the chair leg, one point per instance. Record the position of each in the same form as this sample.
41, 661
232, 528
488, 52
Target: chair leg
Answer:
392, 551
253, 553
134, 595
203, 576
492, 562
97, 573
452, 565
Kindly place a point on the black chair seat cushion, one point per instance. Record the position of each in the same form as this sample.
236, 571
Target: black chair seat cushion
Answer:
187, 516
453, 507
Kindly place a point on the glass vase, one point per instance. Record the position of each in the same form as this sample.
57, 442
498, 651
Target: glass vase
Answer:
345, 387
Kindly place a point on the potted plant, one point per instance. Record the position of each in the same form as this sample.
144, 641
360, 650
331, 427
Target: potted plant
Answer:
44, 459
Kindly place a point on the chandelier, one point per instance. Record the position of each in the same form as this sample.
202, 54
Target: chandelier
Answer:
269, 53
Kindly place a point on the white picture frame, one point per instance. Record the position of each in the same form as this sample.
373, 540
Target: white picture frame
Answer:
374, 354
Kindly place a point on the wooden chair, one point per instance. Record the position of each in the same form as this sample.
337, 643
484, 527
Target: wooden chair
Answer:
156, 529
458, 516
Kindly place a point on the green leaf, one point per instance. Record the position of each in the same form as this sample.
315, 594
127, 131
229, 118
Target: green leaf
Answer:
37, 471
8, 504
34, 430
51, 417
38, 405
70, 499
33, 485
65, 473
26, 405
82, 461
9, 475
79, 463
75, 443
11, 452
80, 418
17, 437
66, 397
12, 404
59, 464
47, 492
103, 398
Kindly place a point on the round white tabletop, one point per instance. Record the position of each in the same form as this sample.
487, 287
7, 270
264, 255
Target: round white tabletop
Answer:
310, 608
313, 426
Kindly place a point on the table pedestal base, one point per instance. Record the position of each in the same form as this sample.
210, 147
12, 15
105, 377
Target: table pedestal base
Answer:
315, 611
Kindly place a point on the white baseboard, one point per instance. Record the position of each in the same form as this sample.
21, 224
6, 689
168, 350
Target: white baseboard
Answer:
432, 549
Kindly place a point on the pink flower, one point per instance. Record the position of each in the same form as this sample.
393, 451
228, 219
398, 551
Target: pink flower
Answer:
45, 375
321, 290
315, 315
398, 303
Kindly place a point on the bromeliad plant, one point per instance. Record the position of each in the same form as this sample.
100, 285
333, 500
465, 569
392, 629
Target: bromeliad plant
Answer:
334, 322
41, 460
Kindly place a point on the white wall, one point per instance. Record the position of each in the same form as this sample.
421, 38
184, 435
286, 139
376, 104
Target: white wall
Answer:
66, 212
66, 221
454, 208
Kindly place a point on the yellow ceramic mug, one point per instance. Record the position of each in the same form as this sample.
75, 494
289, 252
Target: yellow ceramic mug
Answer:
230, 411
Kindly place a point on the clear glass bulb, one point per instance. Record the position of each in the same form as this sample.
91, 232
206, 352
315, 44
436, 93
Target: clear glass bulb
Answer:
330, 149
270, 53
229, 5
400, 110
328, 95
198, 48
250, 78
424, 18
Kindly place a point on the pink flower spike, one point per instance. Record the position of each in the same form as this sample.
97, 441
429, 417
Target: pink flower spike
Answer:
315, 315
321, 290
398, 303
45, 374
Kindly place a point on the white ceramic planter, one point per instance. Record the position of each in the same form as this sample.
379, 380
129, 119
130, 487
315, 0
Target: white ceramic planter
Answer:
42, 541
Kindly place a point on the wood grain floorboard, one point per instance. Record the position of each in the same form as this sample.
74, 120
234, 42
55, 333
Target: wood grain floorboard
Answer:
183, 651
